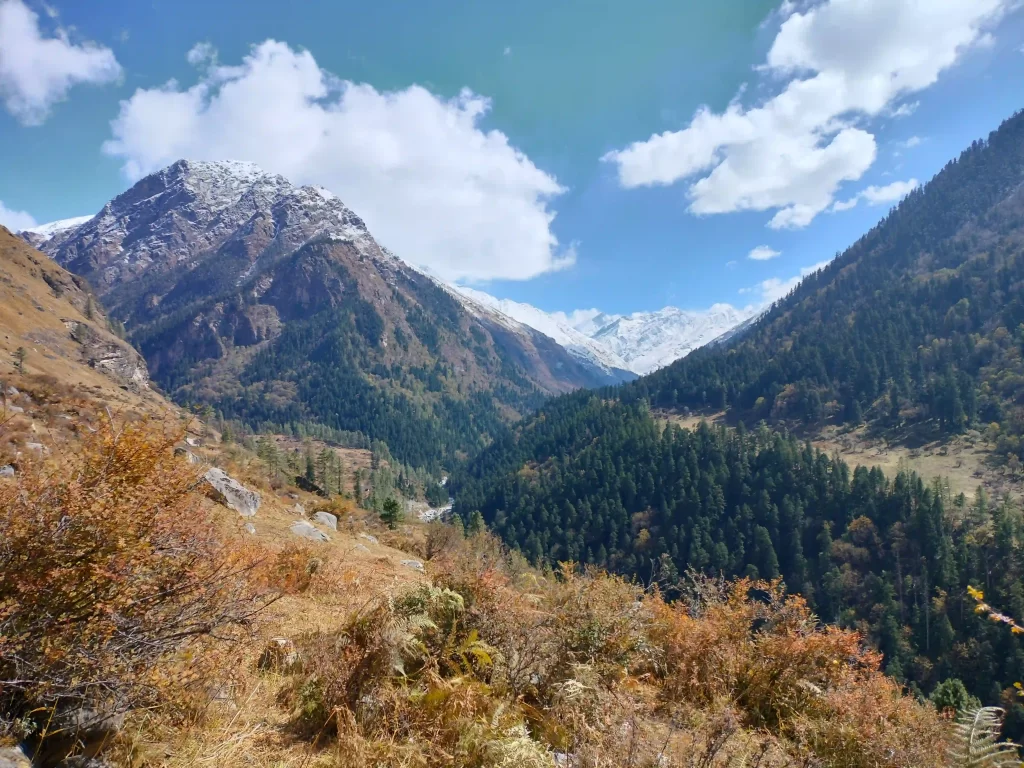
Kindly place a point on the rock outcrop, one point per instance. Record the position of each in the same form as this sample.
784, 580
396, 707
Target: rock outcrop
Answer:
232, 494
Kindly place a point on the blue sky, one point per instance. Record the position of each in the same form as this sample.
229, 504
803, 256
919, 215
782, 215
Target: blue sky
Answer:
569, 154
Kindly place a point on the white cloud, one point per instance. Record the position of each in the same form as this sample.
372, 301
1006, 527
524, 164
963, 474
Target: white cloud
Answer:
433, 185
873, 195
775, 288
763, 253
905, 110
507, 51
201, 53
912, 142
15, 220
36, 72
843, 62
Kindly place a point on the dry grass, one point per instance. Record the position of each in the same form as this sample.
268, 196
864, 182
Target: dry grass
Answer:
964, 462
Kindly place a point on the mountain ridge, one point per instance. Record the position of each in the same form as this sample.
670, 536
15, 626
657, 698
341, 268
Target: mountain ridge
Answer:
277, 306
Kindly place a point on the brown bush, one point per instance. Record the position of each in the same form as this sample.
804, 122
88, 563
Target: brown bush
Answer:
114, 585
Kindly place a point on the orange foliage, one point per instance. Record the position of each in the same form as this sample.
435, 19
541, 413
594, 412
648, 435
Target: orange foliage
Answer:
112, 579
761, 651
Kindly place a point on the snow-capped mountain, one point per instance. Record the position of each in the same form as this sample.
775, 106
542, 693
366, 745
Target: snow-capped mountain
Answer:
41, 234
172, 222
647, 341
576, 342
640, 342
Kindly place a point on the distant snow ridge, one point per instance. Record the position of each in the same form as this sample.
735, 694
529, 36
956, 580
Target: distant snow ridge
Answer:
647, 341
575, 342
56, 227
641, 342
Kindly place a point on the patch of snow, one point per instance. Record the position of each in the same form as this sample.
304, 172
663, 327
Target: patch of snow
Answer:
56, 227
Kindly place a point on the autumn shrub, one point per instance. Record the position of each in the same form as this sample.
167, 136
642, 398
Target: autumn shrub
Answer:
763, 651
115, 588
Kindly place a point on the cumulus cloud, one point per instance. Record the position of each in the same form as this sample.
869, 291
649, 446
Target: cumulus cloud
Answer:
763, 253
775, 288
842, 63
890, 193
37, 71
430, 182
15, 220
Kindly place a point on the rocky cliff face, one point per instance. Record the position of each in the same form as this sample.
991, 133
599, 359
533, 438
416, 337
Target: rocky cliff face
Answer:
275, 303
55, 317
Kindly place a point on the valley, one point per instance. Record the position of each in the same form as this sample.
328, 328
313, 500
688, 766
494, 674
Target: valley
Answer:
274, 495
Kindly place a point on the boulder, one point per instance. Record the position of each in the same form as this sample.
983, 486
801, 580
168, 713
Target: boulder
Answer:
416, 565
369, 538
192, 441
7, 471
326, 519
299, 510
250, 528
279, 655
231, 493
15, 409
306, 531
13, 757
361, 548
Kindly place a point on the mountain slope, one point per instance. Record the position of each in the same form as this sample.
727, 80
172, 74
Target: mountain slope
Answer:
53, 316
275, 304
919, 321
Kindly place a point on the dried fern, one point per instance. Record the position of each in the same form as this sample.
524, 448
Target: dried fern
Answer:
977, 741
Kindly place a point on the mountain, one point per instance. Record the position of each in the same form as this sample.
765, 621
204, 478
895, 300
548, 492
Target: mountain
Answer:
575, 342
647, 341
275, 304
69, 345
43, 233
639, 343
919, 324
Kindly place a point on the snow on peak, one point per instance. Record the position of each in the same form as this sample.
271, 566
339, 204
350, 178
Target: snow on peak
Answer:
577, 344
54, 228
641, 342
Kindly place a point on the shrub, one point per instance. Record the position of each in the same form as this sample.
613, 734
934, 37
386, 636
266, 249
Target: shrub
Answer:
113, 582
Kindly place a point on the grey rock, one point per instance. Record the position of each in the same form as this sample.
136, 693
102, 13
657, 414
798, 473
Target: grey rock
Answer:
327, 519
416, 565
307, 531
15, 409
7, 471
299, 510
231, 493
13, 757
369, 538
361, 548
192, 441
250, 528
12, 391
37, 447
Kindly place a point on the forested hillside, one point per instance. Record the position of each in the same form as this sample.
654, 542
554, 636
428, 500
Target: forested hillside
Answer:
598, 481
921, 320
919, 324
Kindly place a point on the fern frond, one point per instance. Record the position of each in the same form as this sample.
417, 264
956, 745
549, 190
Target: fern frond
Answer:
977, 735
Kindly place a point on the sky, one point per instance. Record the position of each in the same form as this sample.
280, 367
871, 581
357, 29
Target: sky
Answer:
572, 154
